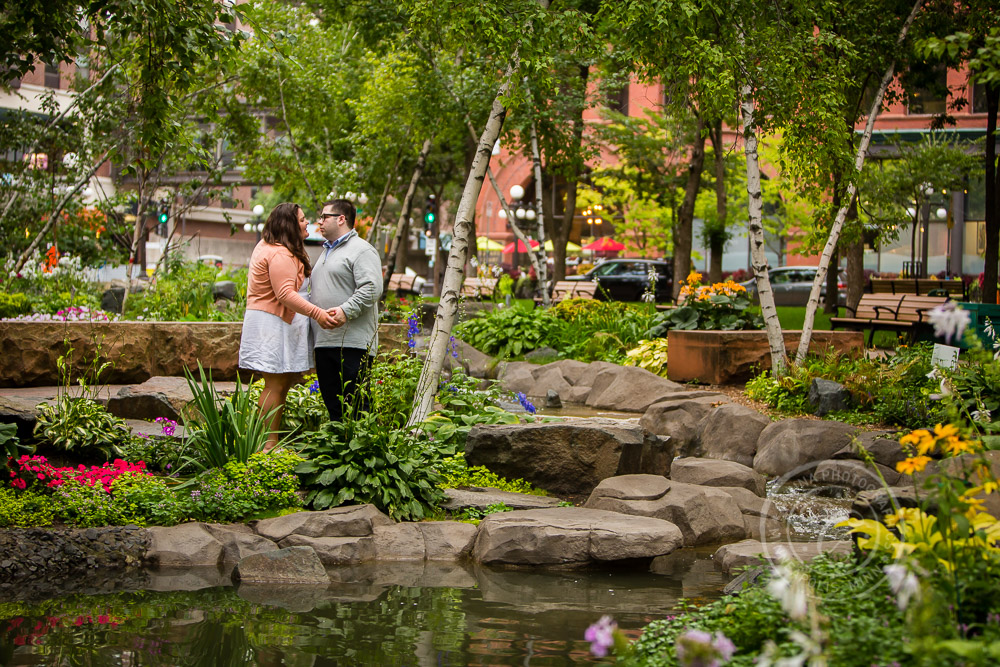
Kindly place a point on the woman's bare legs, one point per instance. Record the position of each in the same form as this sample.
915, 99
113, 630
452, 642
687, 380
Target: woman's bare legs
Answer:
276, 386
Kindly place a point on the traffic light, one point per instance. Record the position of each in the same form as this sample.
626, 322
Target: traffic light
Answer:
162, 217
430, 211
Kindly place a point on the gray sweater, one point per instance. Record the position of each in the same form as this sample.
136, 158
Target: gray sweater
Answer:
349, 276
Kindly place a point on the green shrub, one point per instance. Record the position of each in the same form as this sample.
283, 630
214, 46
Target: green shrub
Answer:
242, 491
650, 354
51, 303
865, 626
222, 430
134, 498
81, 425
182, 291
599, 330
358, 461
304, 408
161, 454
456, 473
509, 332
12, 305
724, 306
25, 508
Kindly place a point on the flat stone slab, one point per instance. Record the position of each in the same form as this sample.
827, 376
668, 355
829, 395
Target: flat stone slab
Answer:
426, 540
482, 497
748, 552
294, 565
184, 545
571, 536
335, 550
715, 472
346, 521
156, 397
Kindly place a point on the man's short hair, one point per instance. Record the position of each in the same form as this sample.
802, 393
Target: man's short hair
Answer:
343, 207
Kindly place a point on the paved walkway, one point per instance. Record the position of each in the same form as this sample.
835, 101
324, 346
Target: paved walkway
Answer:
103, 392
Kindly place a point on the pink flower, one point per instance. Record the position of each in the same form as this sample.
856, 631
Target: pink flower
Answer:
601, 636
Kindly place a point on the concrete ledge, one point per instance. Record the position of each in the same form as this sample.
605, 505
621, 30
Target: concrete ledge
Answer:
725, 357
137, 351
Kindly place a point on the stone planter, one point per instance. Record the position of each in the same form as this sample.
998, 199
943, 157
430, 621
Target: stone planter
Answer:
137, 350
725, 357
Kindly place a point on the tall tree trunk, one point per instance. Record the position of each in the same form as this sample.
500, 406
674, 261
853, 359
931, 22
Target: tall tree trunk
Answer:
403, 222
437, 347
561, 230
683, 231
992, 196
755, 228
717, 244
830, 300
541, 264
855, 263
852, 187
373, 233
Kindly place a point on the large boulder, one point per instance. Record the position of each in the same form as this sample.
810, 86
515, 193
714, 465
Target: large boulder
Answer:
239, 541
629, 388
474, 363
883, 446
761, 517
22, 412
156, 397
347, 521
749, 552
679, 414
569, 457
294, 565
854, 475
481, 498
335, 550
428, 540
713, 472
828, 396
548, 378
704, 515
571, 536
731, 432
184, 545
517, 376
791, 445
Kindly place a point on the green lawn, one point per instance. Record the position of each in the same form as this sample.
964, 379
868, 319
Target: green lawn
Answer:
792, 317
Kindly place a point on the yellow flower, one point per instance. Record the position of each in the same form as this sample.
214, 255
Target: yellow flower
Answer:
955, 446
693, 278
990, 487
921, 439
913, 464
946, 431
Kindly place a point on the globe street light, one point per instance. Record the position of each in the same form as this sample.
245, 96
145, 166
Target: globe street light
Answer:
258, 210
516, 192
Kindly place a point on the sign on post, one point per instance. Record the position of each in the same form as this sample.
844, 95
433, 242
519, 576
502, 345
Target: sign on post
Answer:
944, 356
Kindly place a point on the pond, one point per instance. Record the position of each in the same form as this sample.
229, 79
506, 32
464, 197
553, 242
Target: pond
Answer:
378, 614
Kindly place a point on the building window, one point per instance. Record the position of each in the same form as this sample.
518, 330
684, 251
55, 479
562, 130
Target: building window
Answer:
928, 91
52, 76
978, 98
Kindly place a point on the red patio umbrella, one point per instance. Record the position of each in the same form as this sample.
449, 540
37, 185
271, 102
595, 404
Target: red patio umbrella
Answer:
520, 246
605, 243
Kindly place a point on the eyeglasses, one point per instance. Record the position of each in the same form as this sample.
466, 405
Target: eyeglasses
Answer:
324, 216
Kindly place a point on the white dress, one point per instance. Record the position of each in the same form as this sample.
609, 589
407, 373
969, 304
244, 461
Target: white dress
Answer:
269, 345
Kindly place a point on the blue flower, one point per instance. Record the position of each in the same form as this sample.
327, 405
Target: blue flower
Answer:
314, 387
453, 347
414, 328
525, 403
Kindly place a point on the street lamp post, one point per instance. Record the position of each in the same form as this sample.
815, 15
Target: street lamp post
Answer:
257, 225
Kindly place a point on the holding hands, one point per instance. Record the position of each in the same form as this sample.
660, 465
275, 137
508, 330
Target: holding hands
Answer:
332, 318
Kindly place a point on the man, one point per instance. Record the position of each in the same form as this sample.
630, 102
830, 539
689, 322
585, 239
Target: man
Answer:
346, 281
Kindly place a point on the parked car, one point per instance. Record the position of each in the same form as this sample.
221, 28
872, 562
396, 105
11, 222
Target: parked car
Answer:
628, 279
791, 285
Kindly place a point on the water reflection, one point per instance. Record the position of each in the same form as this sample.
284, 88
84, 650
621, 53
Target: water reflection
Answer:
386, 614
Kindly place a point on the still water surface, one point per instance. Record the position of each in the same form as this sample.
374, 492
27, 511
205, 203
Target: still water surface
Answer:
385, 614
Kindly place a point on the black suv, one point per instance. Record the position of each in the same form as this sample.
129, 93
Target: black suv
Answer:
628, 279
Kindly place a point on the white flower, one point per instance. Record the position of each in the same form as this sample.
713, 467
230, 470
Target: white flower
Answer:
983, 416
949, 321
903, 583
790, 588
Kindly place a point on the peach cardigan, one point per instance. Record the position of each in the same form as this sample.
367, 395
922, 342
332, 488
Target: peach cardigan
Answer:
273, 284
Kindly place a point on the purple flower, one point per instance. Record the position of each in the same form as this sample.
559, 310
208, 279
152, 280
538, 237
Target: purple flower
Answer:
314, 387
525, 403
169, 425
697, 648
601, 636
413, 329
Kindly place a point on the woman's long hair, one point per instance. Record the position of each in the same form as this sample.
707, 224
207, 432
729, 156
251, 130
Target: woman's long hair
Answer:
282, 228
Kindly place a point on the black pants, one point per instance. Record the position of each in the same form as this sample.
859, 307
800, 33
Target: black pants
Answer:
343, 375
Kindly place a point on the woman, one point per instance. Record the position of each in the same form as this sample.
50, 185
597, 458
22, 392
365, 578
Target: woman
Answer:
275, 340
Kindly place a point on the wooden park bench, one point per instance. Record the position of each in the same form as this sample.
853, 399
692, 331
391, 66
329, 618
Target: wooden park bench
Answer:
952, 287
563, 290
478, 288
890, 312
400, 283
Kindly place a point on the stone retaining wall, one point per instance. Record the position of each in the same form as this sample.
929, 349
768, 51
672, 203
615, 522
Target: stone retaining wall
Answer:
137, 351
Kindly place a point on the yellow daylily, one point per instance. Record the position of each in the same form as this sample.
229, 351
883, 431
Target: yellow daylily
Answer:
921, 439
913, 464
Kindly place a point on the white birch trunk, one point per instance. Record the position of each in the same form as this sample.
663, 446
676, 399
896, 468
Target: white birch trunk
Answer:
758, 259
838, 223
518, 233
423, 401
541, 265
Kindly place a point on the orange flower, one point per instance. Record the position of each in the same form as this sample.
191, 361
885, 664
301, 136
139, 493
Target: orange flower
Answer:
913, 464
921, 439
